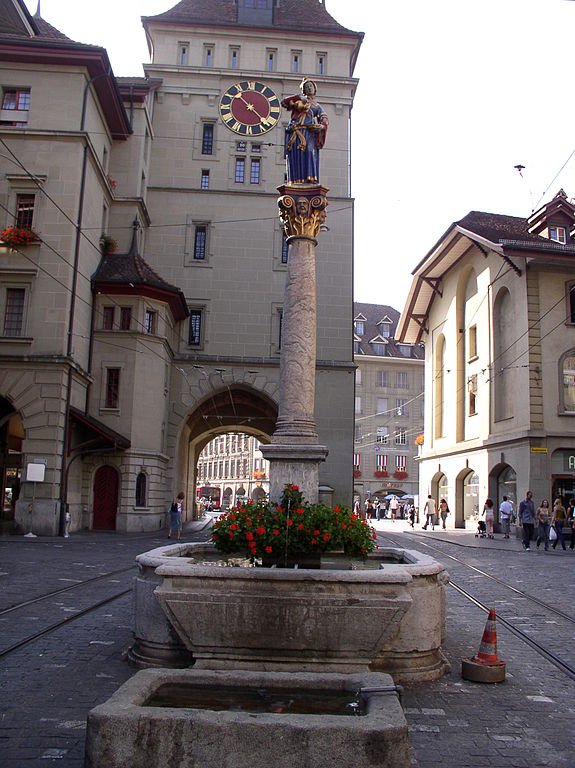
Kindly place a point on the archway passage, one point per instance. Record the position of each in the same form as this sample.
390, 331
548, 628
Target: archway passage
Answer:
11, 438
223, 424
105, 499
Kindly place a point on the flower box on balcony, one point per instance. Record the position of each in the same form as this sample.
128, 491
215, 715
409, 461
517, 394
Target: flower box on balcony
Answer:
400, 475
15, 237
357, 472
381, 473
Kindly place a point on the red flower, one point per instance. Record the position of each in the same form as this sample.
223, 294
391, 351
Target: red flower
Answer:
249, 536
275, 532
314, 541
337, 509
260, 531
290, 523
234, 527
299, 511
344, 525
293, 487
300, 527
269, 549
326, 537
316, 533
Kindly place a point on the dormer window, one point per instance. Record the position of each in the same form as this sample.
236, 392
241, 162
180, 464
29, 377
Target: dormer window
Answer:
558, 235
378, 348
359, 327
385, 329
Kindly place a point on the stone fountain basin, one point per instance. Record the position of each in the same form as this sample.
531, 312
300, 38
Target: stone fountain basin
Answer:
388, 619
126, 733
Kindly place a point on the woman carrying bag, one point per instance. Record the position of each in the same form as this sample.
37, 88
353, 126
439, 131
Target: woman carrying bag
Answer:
559, 517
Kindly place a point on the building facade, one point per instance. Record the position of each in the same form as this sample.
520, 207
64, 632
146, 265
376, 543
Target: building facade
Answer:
122, 359
388, 405
493, 301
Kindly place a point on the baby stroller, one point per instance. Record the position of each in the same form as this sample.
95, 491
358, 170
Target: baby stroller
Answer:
481, 530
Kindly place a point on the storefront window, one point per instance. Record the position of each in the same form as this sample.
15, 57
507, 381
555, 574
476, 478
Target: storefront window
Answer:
470, 496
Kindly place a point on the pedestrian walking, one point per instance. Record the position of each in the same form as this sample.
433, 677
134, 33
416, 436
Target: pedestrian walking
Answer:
571, 521
488, 517
429, 511
412, 515
506, 515
175, 515
559, 518
377, 508
357, 508
527, 519
369, 509
393, 506
542, 518
443, 511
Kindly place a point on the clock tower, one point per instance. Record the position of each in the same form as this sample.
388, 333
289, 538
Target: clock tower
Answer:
221, 71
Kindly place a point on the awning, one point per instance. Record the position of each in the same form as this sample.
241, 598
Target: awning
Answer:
88, 434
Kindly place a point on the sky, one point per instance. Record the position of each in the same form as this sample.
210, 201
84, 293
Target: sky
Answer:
452, 95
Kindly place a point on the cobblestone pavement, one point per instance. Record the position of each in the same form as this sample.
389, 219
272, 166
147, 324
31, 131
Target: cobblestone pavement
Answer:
48, 687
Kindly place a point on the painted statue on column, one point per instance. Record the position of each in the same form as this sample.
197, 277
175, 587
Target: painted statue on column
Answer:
305, 134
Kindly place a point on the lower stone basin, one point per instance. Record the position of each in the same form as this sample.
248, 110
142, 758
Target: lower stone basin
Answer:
387, 617
133, 729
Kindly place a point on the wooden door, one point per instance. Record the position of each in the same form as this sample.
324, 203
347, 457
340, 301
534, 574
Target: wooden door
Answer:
105, 499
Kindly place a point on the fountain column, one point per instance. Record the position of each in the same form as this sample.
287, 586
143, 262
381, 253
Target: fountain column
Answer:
294, 452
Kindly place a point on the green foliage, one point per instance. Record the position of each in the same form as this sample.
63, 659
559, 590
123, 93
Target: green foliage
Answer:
264, 530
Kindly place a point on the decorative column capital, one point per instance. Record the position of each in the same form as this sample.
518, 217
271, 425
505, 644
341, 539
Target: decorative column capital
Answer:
302, 209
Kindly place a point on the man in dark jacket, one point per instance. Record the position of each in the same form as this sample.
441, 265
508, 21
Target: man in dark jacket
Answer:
527, 519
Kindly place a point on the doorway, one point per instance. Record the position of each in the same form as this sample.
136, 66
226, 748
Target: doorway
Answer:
105, 499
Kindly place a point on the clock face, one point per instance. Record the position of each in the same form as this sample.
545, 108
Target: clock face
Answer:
250, 108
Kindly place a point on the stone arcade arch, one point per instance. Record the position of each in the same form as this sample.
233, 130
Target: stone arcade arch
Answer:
466, 498
229, 408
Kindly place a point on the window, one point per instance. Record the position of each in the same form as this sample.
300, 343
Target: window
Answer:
17, 100
240, 170
385, 330
382, 436
321, 63
200, 237
141, 483
401, 406
381, 461
381, 379
107, 318
358, 404
234, 58
241, 146
25, 211
472, 342
358, 376
14, 312
571, 302
255, 169
195, 334
285, 250
150, 321
271, 59
296, 61
359, 327
205, 180
357, 461
356, 349
125, 318
208, 139
558, 234
382, 405
568, 372
378, 348
472, 392
256, 149
208, 55
400, 436
401, 380
357, 434
405, 349
401, 462
112, 387
183, 53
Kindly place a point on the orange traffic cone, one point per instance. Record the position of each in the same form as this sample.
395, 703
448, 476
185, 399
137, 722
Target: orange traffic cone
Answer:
485, 666
487, 653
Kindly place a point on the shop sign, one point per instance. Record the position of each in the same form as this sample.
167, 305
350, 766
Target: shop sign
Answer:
538, 449
569, 462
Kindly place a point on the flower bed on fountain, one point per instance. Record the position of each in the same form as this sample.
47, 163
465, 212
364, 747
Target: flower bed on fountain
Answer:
291, 531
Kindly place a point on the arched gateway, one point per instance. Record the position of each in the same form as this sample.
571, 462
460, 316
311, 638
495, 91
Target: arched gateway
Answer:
233, 408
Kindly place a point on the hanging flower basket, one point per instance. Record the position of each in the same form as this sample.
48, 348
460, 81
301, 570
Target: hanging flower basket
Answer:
419, 439
400, 475
381, 473
108, 244
17, 236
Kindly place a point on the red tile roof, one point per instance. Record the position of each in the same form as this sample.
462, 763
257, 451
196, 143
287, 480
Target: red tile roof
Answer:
306, 15
47, 31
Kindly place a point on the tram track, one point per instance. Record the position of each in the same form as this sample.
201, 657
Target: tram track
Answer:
544, 651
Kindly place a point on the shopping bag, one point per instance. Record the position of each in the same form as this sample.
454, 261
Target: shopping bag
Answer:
552, 534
